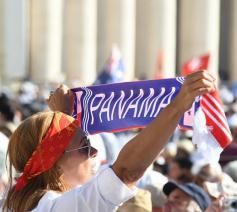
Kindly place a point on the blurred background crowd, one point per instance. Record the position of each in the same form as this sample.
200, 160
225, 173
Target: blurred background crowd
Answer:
44, 43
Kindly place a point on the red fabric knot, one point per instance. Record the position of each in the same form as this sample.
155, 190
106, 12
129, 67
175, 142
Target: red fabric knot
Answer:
49, 150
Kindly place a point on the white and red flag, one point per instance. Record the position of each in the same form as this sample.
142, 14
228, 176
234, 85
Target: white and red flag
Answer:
211, 131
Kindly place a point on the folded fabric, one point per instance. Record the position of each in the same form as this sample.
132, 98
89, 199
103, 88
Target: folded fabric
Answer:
122, 106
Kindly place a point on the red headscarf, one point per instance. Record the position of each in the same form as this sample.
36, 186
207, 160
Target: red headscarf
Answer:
49, 150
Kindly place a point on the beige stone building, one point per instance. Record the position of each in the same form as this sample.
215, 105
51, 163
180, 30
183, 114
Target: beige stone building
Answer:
55, 40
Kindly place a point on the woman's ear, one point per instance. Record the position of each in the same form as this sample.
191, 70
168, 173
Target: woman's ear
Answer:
59, 168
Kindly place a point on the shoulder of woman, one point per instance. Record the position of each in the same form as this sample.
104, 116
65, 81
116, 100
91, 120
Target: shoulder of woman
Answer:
47, 201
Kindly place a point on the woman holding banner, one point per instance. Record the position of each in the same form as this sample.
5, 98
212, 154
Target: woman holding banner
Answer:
54, 156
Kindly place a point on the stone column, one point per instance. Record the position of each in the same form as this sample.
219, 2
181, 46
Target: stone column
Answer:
233, 43
116, 24
213, 35
156, 38
46, 40
169, 37
14, 50
79, 52
198, 31
2, 54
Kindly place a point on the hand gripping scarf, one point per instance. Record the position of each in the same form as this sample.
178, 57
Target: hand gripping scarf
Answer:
49, 150
122, 106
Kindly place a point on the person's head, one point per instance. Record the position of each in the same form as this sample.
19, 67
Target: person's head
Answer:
78, 161
203, 170
184, 197
141, 202
232, 122
185, 148
210, 173
6, 110
179, 169
231, 169
50, 151
7, 114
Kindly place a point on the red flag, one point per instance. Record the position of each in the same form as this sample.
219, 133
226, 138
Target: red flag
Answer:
159, 69
196, 64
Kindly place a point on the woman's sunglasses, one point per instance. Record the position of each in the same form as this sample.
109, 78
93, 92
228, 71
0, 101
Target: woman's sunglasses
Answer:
86, 148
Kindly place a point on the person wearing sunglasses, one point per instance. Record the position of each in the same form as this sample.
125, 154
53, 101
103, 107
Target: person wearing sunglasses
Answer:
84, 147
54, 158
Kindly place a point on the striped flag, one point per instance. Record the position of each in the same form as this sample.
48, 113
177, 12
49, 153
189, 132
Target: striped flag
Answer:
215, 118
212, 108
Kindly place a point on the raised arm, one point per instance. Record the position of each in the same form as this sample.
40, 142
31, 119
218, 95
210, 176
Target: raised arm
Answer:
140, 152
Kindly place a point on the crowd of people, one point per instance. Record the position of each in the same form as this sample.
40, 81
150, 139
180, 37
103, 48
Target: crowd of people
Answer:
155, 169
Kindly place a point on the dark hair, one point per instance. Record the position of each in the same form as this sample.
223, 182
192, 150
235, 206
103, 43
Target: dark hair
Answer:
6, 108
183, 162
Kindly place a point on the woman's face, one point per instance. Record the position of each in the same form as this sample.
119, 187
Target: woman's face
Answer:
78, 161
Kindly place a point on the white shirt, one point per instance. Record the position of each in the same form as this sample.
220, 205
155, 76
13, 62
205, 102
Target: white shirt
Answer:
104, 193
3, 151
